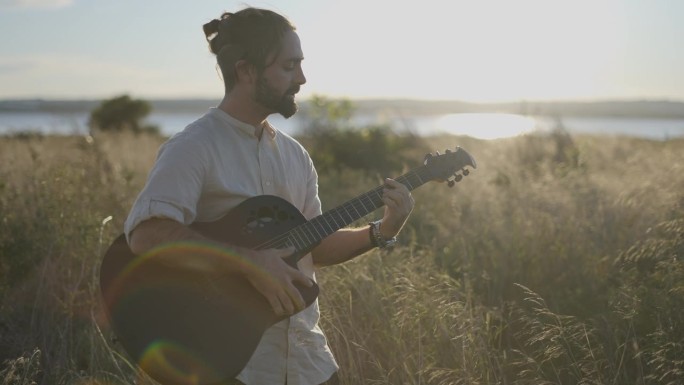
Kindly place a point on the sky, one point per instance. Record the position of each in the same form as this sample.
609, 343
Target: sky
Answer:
479, 50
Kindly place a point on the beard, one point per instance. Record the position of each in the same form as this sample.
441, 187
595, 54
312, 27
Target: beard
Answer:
269, 97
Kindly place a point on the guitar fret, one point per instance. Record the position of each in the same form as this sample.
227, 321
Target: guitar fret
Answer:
378, 194
308, 232
369, 202
298, 240
329, 229
317, 232
349, 215
332, 230
352, 218
365, 209
357, 212
306, 236
313, 229
420, 179
335, 220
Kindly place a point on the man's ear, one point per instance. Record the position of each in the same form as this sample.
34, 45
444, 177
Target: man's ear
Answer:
245, 72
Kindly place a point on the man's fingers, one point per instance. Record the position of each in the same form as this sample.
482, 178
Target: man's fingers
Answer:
297, 276
281, 301
395, 190
275, 303
286, 252
390, 200
286, 301
393, 183
295, 298
302, 278
280, 290
395, 199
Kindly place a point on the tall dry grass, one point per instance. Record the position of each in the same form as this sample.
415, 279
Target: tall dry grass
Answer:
559, 261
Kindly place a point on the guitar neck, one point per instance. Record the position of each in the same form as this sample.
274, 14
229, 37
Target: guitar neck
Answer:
309, 234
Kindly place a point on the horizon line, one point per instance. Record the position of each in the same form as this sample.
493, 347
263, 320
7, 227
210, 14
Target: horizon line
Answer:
369, 99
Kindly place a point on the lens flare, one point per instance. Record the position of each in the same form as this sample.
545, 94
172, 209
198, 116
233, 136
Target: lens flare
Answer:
173, 321
168, 362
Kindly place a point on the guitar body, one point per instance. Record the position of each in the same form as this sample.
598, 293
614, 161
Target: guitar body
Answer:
184, 328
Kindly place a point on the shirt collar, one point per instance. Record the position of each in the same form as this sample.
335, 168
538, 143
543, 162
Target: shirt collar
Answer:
245, 127
269, 129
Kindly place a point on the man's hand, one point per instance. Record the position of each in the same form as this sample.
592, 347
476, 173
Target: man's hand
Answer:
274, 278
398, 205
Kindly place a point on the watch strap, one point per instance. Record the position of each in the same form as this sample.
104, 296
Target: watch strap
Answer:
376, 237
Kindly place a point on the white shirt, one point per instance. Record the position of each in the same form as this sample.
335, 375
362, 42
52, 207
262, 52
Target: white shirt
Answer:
212, 166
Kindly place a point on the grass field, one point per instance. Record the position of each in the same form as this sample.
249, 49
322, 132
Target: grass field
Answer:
560, 260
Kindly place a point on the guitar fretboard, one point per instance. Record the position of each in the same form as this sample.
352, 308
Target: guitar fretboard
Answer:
307, 235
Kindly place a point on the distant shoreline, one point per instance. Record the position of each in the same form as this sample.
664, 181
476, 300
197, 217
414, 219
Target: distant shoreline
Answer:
655, 109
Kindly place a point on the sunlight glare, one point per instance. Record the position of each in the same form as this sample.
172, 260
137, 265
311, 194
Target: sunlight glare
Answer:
477, 51
486, 125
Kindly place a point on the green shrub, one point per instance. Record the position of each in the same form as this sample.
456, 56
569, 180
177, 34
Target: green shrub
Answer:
122, 113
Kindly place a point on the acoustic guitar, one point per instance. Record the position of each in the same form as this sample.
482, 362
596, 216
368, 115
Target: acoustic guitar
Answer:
183, 328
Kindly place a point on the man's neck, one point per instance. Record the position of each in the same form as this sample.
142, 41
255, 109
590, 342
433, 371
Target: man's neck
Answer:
246, 111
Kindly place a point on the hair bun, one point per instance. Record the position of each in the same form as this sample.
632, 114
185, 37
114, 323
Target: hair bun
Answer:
211, 28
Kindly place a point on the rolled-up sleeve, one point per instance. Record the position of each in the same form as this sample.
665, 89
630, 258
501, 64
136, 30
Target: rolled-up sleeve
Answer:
312, 204
173, 186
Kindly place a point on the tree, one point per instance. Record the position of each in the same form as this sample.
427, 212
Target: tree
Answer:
336, 143
122, 113
324, 114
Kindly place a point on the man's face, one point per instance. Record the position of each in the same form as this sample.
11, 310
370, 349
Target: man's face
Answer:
277, 85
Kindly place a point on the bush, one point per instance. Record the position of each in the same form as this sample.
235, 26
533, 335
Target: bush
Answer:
334, 145
122, 113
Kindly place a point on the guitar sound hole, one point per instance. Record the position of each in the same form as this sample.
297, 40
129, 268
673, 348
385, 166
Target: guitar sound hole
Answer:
265, 216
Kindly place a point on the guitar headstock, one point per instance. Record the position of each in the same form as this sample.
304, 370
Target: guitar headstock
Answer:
450, 166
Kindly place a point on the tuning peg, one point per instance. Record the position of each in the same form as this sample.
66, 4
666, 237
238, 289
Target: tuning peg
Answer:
428, 157
458, 177
448, 151
451, 183
466, 172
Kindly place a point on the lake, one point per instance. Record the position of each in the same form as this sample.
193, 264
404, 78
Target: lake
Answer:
478, 125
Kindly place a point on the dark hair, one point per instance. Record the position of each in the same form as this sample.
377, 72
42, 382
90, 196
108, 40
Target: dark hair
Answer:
251, 34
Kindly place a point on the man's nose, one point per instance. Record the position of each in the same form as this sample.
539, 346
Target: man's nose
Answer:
300, 79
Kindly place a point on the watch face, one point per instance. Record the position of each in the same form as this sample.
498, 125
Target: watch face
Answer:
390, 242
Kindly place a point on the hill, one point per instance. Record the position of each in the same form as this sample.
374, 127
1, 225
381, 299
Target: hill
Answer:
664, 109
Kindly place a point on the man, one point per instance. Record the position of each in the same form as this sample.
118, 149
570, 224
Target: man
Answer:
233, 153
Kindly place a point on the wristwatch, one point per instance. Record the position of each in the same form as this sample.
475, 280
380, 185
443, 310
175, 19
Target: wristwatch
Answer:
376, 238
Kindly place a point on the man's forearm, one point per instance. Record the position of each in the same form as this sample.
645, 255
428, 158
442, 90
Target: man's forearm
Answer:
342, 246
156, 231
215, 259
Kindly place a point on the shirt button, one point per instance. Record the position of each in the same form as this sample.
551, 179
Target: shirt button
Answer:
268, 183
